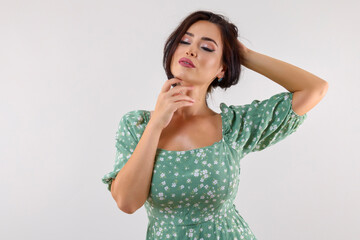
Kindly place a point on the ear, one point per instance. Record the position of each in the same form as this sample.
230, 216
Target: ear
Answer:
222, 73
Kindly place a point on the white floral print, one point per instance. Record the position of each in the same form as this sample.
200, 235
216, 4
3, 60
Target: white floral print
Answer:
192, 192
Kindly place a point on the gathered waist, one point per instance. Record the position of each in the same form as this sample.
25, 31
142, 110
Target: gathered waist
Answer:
189, 217
229, 225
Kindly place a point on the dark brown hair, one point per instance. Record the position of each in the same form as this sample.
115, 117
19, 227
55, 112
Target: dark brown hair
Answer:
232, 58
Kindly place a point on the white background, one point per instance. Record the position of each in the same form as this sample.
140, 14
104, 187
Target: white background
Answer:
69, 70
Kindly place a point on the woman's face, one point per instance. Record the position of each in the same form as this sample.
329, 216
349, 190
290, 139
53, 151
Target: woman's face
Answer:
205, 54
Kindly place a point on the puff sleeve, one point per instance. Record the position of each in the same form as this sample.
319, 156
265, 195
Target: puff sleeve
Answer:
260, 124
126, 141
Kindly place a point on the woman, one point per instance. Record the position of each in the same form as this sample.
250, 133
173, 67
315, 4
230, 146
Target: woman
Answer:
182, 160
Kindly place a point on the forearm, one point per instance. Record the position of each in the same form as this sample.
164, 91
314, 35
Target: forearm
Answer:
131, 186
289, 76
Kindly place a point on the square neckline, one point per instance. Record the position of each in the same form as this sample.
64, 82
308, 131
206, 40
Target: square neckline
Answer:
148, 115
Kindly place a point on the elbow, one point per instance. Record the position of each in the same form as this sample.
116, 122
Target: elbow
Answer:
320, 90
325, 88
126, 208
123, 206
126, 204
130, 207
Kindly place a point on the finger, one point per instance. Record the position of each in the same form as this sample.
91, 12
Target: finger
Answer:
182, 104
179, 90
182, 98
167, 85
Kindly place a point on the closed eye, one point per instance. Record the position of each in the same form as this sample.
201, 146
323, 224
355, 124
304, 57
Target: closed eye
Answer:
206, 49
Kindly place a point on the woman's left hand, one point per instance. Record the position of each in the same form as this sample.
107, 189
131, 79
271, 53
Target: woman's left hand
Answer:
244, 49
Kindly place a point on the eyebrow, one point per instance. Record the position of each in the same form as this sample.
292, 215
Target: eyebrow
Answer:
203, 38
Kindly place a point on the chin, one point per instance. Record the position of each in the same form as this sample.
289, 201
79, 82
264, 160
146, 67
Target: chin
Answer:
181, 75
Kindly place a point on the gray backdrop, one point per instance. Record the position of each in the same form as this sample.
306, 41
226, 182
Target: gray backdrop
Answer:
69, 70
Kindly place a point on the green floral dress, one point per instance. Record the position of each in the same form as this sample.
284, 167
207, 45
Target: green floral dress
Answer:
192, 192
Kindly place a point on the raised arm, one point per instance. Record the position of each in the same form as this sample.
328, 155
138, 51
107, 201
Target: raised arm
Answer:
307, 88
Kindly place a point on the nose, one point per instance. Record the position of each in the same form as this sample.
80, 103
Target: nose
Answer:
191, 53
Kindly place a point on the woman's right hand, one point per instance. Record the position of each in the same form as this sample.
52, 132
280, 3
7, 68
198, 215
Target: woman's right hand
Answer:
169, 100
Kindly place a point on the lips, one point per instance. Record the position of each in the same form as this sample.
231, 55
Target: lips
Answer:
187, 62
